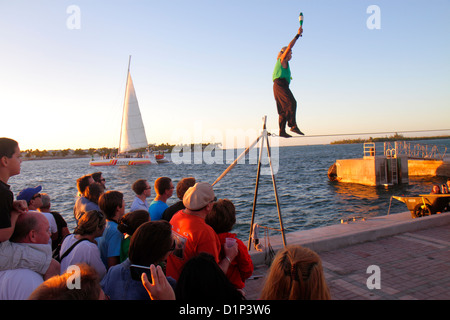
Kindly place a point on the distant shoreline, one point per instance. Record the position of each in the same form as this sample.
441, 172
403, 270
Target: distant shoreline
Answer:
346, 141
55, 158
384, 139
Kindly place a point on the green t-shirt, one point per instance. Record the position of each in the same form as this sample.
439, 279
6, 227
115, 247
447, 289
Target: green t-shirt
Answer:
280, 72
124, 248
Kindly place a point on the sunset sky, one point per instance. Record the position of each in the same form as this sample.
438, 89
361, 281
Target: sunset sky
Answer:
202, 69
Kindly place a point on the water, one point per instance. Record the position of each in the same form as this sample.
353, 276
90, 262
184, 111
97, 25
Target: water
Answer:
307, 198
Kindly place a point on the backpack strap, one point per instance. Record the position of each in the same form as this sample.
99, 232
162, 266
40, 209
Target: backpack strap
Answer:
66, 253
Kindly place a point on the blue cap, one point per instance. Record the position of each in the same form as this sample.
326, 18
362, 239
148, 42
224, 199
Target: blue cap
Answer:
28, 193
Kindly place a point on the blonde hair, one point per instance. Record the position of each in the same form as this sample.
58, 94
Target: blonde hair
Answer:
56, 287
89, 222
296, 274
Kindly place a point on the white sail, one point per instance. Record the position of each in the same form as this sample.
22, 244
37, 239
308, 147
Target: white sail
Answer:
132, 130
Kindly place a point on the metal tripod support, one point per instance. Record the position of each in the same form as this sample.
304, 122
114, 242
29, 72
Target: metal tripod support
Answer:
264, 137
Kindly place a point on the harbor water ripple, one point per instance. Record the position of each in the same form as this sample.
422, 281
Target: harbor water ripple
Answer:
307, 198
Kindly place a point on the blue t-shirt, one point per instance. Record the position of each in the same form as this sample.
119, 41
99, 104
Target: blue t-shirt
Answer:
156, 209
119, 285
109, 243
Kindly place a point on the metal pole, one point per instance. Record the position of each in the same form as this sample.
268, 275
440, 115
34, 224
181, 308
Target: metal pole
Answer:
256, 195
231, 166
123, 108
275, 189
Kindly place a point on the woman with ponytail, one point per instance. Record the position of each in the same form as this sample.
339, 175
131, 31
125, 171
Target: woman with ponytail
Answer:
296, 274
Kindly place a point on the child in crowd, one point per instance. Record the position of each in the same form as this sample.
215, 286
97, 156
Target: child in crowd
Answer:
222, 219
113, 207
37, 257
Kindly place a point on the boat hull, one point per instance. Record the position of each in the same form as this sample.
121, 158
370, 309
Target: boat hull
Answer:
121, 162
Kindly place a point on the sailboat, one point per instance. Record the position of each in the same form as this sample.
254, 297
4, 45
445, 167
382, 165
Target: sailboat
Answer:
132, 134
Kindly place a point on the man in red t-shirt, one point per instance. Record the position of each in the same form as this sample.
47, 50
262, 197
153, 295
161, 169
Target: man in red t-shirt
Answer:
193, 235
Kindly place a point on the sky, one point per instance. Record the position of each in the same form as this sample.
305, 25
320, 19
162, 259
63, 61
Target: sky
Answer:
202, 69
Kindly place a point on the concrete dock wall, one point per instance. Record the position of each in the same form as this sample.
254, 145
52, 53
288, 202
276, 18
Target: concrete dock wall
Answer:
357, 171
372, 170
429, 168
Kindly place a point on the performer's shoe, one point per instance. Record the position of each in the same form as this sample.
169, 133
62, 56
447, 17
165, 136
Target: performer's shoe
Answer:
285, 135
297, 130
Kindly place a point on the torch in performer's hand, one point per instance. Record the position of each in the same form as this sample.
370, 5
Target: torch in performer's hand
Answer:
300, 20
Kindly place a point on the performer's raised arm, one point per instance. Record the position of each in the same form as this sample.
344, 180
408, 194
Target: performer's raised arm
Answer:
285, 53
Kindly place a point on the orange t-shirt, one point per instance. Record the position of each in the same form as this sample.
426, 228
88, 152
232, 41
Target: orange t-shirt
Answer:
192, 236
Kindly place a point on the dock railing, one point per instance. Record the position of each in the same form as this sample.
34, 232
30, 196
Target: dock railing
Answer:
415, 150
369, 149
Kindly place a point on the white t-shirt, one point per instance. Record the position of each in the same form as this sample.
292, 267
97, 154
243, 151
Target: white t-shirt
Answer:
84, 252
18, 284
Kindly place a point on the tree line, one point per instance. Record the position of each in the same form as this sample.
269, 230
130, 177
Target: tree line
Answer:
395, 137
30, 153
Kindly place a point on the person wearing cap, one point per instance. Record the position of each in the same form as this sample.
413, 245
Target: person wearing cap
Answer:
34, 202
32, 197
193, 235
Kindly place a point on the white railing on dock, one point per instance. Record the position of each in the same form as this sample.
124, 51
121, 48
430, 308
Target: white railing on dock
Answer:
416, 150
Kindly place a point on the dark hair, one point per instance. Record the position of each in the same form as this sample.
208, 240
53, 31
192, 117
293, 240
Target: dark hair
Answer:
222, 216
133, 220
150, 243
183, 185
94, 191
7, 147
109, 201
162, 184
83, 182
202, 280
96, 176
139, 186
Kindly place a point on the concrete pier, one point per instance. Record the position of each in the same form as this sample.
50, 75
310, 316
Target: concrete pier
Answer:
429, 167
373, 170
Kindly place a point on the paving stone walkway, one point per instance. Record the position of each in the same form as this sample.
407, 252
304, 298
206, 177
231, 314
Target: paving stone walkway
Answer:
408, 266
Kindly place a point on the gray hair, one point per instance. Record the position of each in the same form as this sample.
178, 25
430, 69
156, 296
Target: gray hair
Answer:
45, 201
